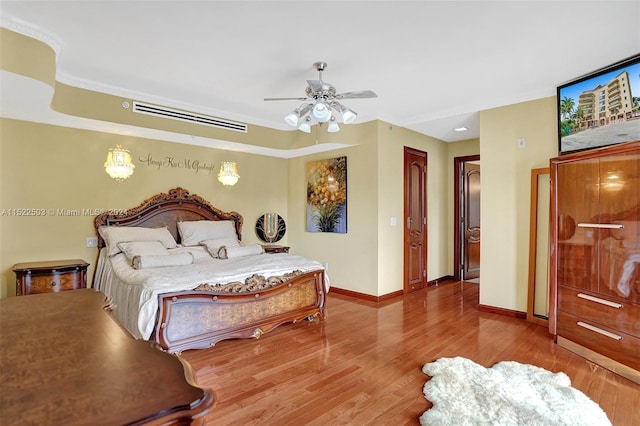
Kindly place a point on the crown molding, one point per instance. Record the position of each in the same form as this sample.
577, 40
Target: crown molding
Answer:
22, 27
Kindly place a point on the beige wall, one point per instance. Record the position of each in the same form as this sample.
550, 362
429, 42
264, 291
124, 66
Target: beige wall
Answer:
56, 169
393, 139
61, 168
27, 56
369, 257
505, 175
61, 171
351, 256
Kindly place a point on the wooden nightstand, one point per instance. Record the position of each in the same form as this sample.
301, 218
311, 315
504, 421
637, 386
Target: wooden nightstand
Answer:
274, 248
51, 276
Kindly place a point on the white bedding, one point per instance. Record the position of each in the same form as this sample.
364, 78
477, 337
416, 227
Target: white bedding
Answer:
135, 291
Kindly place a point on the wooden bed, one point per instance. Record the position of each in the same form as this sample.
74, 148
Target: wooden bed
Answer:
199, 319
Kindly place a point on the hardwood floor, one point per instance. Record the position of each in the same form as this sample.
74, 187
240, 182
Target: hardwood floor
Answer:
363, 364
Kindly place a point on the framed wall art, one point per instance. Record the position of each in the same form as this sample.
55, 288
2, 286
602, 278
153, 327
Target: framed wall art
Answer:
327, 195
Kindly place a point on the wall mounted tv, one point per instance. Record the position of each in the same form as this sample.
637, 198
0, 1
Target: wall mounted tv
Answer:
601, 108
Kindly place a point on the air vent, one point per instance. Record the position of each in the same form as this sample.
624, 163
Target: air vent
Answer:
190, 117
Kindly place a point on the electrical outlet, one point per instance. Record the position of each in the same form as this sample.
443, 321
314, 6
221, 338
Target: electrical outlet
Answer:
522, 143
92, 241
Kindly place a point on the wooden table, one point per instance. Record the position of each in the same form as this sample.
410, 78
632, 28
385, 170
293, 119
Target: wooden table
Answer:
65, 360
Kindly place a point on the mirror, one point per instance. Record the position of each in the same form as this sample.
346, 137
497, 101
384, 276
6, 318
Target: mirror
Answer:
538, 298
270, 227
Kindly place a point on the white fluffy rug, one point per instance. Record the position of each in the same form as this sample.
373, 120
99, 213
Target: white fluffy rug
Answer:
509, 393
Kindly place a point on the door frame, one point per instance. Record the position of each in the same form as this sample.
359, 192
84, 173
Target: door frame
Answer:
458, 198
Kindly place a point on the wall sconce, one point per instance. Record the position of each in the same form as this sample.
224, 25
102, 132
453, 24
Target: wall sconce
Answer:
228, 175
118, 164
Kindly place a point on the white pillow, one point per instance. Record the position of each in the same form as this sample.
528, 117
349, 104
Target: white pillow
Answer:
227, 252
135, 249
112, 235
162, 261
213, 246
194, 232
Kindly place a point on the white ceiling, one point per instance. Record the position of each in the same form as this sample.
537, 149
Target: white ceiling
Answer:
433, 64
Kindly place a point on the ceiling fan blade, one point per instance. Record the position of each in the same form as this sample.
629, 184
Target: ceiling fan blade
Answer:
285, 99
358, 94
315, 85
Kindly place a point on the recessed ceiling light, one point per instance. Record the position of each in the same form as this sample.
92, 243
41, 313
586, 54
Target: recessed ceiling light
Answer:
461, 129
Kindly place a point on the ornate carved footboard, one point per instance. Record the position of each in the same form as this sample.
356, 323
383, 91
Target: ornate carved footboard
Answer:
200, 319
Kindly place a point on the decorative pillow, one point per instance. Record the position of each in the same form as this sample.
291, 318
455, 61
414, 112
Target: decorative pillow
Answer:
135, 249
226, 252
194, 232
162, 261
112, 235
213, 246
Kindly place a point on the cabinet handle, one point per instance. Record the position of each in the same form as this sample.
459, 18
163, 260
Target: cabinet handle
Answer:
601, 301
601, 225
599, 330
53, 283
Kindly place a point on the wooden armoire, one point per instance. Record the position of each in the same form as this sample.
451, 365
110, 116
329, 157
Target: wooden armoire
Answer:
595, 256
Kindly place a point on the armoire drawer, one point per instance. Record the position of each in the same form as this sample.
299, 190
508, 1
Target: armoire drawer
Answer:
611, 343
599, 309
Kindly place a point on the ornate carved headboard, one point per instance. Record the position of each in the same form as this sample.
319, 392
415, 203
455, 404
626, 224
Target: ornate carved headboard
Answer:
167, 209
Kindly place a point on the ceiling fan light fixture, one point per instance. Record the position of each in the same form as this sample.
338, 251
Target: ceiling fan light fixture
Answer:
321, 112
321, 102
306, 125
333, 125
292, 118
348, 115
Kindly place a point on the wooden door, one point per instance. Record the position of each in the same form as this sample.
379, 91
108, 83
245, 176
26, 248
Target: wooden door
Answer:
471, 221
415, 219
466, 206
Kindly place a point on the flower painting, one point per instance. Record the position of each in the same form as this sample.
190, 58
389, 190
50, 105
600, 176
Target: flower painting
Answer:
327, 195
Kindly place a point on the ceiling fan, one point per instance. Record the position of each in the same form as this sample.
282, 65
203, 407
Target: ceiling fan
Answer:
321, 102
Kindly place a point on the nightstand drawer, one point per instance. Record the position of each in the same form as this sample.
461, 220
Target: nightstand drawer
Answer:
599, 309
54, 282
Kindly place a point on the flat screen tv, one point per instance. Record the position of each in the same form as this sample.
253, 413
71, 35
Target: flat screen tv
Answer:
601, 108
